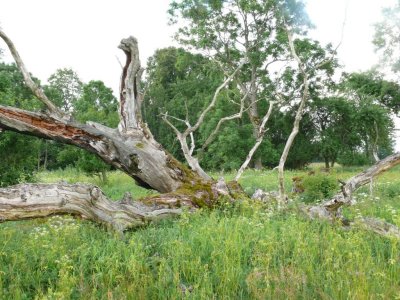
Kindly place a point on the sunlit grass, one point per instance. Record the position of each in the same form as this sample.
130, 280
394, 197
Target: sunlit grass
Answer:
240, 251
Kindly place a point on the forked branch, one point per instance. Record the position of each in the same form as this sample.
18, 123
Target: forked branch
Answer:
182, 136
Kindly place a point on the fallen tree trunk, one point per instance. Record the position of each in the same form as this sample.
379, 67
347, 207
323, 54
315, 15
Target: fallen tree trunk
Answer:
41, 200
135, 153
332, 209
130, 147
27, 201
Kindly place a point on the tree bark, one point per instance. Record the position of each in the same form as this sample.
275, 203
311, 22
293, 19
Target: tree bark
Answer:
136, 153
27, 201
331, 209
260, 138
296, 124
130, 148
41, 200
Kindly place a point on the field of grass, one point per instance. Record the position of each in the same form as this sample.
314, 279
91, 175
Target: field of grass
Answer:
242, 251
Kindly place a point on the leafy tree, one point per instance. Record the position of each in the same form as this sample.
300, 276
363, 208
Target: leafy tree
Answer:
19, 154
231, 31
374, 99
97, 104
336, 129
371, 84
64, 88
386, 37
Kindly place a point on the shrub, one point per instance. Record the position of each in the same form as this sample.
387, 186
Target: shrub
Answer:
318, 187
353, 159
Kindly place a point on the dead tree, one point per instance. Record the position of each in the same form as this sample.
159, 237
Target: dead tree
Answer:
182, 136
332, 209
130, 148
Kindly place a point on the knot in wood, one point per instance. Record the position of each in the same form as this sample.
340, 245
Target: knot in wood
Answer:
95, 194
127, 199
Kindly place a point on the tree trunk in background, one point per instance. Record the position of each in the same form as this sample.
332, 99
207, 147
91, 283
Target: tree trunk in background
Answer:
45, 156
296, 123
326, 162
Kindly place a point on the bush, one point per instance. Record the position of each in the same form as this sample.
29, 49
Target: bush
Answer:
353, 159
318, 187
18, 158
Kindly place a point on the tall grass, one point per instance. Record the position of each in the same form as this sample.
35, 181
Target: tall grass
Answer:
240, 251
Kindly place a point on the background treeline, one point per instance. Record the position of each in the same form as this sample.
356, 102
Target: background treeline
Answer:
347, 122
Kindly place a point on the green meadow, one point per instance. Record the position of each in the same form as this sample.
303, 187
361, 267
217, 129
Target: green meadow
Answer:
242, 250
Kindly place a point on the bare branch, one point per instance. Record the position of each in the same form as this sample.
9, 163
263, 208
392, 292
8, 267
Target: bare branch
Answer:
260, 138
299, 115
37, 91
188, 153
223, 120
214, 100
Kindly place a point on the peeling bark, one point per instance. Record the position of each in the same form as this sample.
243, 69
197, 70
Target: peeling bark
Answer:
138, 155
130, 98
130, 148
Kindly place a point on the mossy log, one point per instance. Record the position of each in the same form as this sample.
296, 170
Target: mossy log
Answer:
27, 201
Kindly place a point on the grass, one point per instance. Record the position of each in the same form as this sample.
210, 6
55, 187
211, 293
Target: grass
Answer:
240, 251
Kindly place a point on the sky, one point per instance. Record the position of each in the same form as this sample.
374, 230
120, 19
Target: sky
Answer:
84, 34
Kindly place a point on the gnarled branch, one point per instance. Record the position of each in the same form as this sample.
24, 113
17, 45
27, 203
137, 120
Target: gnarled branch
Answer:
28, 201
130, 97
37, 91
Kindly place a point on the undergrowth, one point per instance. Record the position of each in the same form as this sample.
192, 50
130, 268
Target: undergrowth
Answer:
243, 250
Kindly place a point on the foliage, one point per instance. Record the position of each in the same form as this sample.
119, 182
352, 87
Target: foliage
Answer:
371, 84
181, 84
19, 154
231, 31
97, 104
386, 37
318, 186
353, 158
64, 88
20, 165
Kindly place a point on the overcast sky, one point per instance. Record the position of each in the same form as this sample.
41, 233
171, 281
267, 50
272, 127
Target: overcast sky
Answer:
84, 34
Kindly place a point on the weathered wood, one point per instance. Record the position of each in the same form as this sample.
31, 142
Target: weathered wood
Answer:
297, 119
130, 148
37, 91
27, 201
140, 156
331, 209
130, 97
